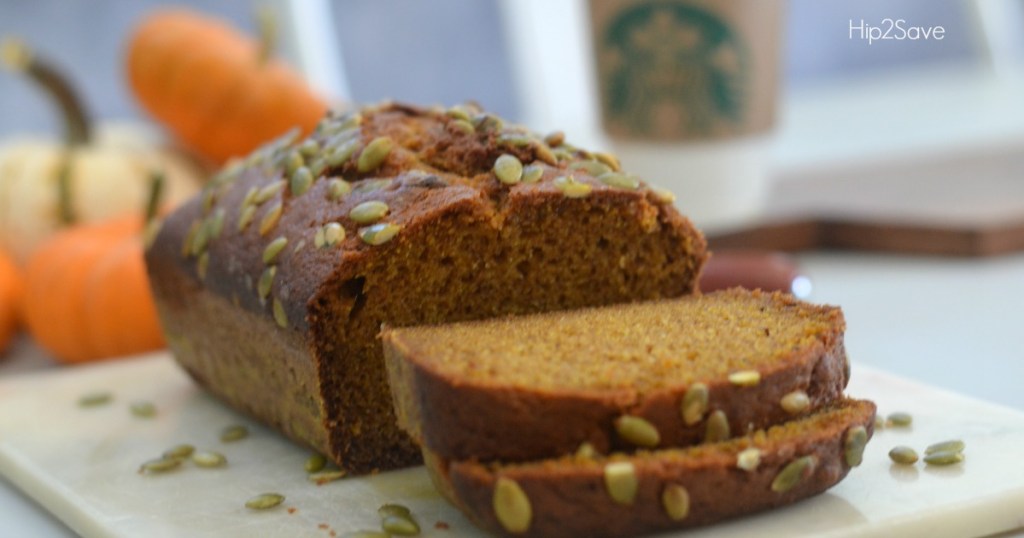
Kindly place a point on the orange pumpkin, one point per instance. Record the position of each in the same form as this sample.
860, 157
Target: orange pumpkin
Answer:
87, 295
215, 88
11, 289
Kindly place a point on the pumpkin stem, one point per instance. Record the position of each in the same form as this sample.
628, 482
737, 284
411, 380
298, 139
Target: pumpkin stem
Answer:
17, 56
65, 209
156, 190
267, 32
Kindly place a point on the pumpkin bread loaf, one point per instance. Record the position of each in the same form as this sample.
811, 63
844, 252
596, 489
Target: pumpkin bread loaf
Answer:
272, 285
665, 373
630, 494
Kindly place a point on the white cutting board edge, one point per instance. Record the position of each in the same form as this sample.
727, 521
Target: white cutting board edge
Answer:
80, 465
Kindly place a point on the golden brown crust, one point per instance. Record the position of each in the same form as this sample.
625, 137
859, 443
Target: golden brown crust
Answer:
487, 418
469, 247
569, 497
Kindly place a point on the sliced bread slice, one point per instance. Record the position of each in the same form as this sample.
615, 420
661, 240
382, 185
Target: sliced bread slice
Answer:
627, 495
647, 375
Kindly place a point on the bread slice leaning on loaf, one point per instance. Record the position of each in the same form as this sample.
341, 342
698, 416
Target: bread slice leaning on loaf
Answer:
272, 285
664, 373
628, 495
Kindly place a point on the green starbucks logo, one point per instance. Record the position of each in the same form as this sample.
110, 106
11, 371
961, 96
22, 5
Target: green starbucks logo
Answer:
670, 69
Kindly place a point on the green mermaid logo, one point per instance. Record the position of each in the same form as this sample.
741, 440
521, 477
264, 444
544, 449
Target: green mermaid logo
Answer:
671, 70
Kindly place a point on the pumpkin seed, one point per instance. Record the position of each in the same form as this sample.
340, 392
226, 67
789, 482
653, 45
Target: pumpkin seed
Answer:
264, 501
279, 314
853, 445
179, 451
374, 154
319, 239
336, 188
250, 197
270, 219
299, 246
544, 153
217, 223
488, 123
514, 140
378, 234
315, 462
273, 249
202, 264
160, 465
209, 197
532, 173
619, 180
586, 451
593, 168
621, 481
663, 195
944, 457
458, 112
268, 192
318, 166
391, 509
302, 180
903, 455
572, 188
556, 138
794, 473
511, 506
745, 378
899, 420
341, 154
368, 212
695, 403
334, 233
717, 428
309, 148
245, 217
352, 119
201, 239
676, 501
637, 431
400, 526
508, 169
293, 162
463, 126
143, 409
324, 477
608, 160
953, 445
563, 154
795, 402
95, 399
370, 185
186, 245
234, 433
266, 281
749, 459
209, 459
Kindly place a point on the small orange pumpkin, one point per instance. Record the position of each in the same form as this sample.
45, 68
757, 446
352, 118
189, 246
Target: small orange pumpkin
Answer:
216, 89
11, 289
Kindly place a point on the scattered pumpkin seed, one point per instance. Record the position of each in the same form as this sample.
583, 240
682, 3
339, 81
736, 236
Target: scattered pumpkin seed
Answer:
368, 212
186, 245
586, 451
95, 399
944, 457
234, 433
563, 154
273, 249
514, 140
179, 451
508, 169
250, 196
400, 525
619, 180
532, 173
794, 473
160, 465
270, 219
309, 148
511, 506
795, 402
202, 264
637, 431
663, 195
279, 314
853, 445
200, 239
608, 160
554, 139
352, 119
264, 501
695, 403
336, 188
334, 233
380, 233
458, 112
326, 476
903, 455
953, 445
488, 123
621, 481
293, 162
370, 185
266, 282
143, 409
463, 126
299, 246
749, 459
268, 192
374, 154
319, 239
572, 188
302, 180
392, 509
315, 462
717, 427
544, 153
209, 197
593, 168
245, 217
745, 378
899, 420
676, 501
209, 459
217, 223
341, 154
